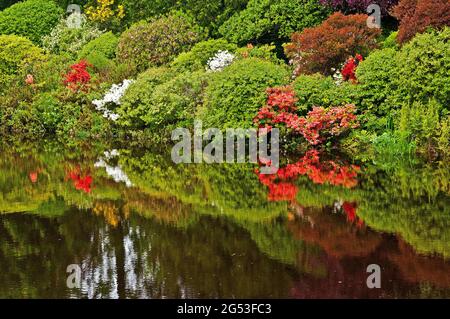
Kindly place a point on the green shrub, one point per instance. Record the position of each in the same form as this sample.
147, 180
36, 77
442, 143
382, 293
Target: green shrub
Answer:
212, 14
416, 73
319, 90
137, 10
207, 13
174, 102
47, 109
270, 20
161, 99
65, 39
157, 42
376, 88
139, 95
16, 55
424, 125
32, 19
423, 65
235, 95
105, 44
199, 55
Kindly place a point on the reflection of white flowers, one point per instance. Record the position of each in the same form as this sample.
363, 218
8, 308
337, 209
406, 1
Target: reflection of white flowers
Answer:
115, 93
116, 172
221, 60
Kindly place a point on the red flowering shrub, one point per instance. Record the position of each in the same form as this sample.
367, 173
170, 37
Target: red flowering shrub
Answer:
321, 48
319, 125
78, 77
81, 183
281, 186
417, 15
349, 70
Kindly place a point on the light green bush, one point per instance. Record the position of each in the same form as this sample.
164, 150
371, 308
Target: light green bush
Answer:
319, 90
32, 19
161, 98
105, 44
235, 95
139, 95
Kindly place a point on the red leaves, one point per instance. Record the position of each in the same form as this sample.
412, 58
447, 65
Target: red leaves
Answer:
78, 77
81, 183
321, 48
281, 187
316, 127
349, 69
417, 15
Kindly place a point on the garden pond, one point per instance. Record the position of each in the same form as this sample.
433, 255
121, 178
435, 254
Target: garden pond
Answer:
140, 226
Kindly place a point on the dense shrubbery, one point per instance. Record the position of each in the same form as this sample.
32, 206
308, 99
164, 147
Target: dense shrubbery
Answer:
32, 19
177, 73
234, 95
267, 21
17, 54
158, 42
416, 16
324, 47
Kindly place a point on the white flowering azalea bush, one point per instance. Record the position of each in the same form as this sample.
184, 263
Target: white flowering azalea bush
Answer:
113, 96
220, 61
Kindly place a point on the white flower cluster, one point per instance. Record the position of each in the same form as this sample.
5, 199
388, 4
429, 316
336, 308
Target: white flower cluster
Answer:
337, 76
114, 95
219, 61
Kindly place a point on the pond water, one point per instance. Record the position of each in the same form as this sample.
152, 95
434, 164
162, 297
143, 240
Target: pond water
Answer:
140, 226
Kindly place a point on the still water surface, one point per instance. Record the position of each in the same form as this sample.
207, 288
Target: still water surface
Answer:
141, 227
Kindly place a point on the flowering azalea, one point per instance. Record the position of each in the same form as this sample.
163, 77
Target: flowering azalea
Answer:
316, 127
29, 79
349, 70
78, 77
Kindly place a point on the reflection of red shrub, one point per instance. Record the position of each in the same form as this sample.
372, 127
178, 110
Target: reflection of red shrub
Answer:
321, 48
81, 183
319, 172
350, 211
417, 15
319, 125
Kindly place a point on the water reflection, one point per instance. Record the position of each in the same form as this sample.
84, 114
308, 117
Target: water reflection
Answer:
141, 227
